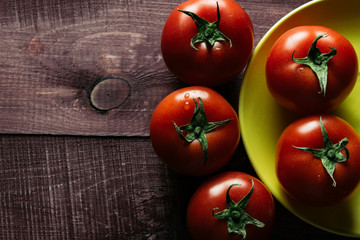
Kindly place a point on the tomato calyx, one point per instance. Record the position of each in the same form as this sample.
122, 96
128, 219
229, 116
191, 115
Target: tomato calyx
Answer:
199, 127
207, 32
317, 61
330, 154
235, 213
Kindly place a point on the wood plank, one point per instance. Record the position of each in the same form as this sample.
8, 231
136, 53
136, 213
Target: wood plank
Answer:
50, 59
63, 187
82, 188
53, 51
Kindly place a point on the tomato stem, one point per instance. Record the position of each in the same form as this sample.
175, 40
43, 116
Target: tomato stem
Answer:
199, 127
207, 32
235, 213
318, 62
330, 154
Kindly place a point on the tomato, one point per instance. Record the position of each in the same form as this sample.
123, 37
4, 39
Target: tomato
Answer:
213, 55
250, 207
318, 85
194, 130
318, 160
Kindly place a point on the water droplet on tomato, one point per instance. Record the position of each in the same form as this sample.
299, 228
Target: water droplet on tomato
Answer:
187, 105
187, 95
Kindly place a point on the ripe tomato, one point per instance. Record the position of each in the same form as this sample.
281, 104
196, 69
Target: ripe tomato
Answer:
213, 53
250, 208
318, 160
195, 131
296, 85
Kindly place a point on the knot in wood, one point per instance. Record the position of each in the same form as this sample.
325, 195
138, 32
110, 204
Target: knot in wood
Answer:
109, 93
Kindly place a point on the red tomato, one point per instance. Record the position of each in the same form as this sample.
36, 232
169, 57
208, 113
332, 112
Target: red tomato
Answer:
211, 199
175, 119
295, 85
331, 174
209, 62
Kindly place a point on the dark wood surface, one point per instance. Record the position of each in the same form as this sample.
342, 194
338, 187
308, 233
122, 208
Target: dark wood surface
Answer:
70, 171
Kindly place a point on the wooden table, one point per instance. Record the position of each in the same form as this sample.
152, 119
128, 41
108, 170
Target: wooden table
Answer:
69, 171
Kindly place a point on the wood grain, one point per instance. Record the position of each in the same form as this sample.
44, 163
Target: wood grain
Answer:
52, 55
73, 189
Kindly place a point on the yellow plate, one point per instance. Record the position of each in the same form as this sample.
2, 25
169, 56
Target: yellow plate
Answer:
262, 120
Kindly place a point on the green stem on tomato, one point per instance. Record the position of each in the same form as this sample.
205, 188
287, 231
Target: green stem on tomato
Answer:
207, 32
235, 214
330, 154
317, 61
199, 127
